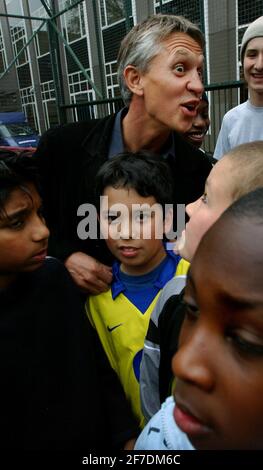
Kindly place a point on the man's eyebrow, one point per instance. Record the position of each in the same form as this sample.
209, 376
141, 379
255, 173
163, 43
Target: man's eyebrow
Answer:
183, 52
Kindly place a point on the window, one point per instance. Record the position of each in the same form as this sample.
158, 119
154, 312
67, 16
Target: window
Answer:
73, 21
111, 80
79, 85
188, 8
51, 113
18, 35
35, 5
28, 100
111, 11
42, 44
14, 7
48, 91
41, 39
2, 53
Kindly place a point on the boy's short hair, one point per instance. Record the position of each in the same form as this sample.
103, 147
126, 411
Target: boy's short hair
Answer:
247, 172
15, 172
249, 206
144, 172
144, 42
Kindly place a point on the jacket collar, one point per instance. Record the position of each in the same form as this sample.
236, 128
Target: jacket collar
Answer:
97, 140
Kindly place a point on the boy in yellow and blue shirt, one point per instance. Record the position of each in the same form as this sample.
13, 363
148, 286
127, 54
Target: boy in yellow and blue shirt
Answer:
136, 189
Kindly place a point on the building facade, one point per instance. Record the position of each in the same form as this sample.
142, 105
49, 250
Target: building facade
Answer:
45, 72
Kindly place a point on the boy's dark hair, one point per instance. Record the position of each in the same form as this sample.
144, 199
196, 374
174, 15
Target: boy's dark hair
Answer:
248, 206
144, 172
15, 171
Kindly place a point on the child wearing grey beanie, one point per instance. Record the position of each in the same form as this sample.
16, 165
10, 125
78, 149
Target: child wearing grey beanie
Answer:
254, 30
244, 122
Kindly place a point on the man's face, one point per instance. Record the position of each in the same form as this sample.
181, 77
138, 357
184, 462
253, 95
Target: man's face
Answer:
206, 210
253, 65
172, 86
219, 364
132, 229
23, 234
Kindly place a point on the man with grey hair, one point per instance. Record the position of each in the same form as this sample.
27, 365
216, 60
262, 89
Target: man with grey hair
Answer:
160, 75
244, 122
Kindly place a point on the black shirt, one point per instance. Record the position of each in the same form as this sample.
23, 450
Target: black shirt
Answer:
57, 390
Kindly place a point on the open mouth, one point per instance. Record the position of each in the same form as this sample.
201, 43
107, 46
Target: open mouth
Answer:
190, 107
196, 135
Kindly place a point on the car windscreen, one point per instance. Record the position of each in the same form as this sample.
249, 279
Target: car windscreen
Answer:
14, 130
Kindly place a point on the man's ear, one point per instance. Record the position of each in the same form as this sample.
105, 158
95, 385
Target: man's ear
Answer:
133, 79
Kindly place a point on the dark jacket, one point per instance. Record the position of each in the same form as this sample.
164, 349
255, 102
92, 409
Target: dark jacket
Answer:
57, 391
69, 158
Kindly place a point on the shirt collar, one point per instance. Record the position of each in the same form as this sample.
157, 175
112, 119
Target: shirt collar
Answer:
117, 143
117, 285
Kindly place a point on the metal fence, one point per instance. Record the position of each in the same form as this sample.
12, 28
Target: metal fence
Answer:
222, 97
58, 56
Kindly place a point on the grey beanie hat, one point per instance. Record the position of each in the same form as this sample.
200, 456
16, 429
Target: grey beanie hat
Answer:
254, 30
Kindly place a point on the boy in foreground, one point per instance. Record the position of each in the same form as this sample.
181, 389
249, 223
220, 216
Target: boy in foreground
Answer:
133, 219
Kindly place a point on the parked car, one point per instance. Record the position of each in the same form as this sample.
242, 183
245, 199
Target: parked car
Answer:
16, 132
8, 150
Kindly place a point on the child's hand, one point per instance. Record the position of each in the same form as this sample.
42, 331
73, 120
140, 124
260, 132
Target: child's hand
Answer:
91, 276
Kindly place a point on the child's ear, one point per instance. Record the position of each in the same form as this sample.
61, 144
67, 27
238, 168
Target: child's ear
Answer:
168, 221
133, 80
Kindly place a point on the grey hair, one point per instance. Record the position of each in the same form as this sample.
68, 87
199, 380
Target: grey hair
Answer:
144, 42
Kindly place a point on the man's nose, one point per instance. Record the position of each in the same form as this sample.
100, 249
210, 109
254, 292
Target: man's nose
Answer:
195, 83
